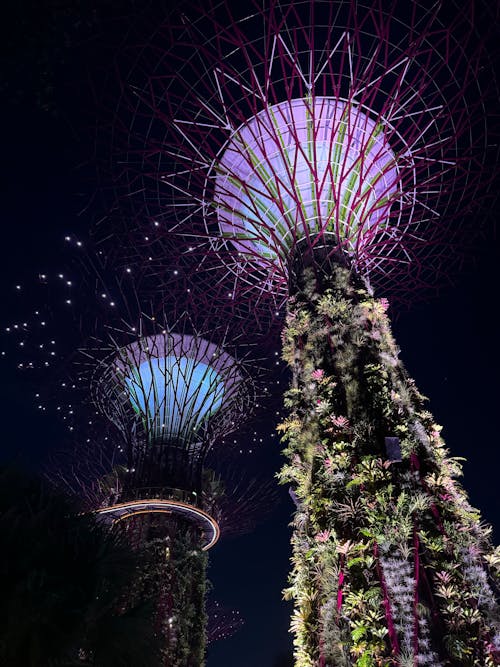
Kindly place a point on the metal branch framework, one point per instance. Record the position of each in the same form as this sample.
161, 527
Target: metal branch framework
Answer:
360, 125
170, 396
101, 306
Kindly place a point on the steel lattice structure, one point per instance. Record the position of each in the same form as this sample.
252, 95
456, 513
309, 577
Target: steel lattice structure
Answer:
359, 126
171, 396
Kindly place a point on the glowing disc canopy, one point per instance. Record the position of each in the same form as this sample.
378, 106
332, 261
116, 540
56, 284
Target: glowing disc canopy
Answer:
301, 168
174, 385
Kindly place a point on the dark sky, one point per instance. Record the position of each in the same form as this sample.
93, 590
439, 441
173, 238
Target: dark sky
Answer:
450, 346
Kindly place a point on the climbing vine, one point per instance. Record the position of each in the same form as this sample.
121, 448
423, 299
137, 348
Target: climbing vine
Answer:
390, 565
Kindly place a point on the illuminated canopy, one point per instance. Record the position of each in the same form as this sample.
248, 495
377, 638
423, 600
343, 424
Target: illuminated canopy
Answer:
174, 384
174, 395
301, 168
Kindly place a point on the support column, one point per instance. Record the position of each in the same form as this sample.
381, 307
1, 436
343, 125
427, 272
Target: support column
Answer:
390, 564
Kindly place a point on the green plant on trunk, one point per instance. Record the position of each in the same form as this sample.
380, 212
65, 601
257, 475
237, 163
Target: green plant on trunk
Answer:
390, 564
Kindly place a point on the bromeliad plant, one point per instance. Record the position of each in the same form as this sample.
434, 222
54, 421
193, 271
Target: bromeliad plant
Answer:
390, 565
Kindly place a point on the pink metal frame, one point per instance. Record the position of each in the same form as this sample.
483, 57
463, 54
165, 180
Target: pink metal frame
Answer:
415, 72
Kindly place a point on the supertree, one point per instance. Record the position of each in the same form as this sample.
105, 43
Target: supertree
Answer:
324, 149
152, 394
171, 395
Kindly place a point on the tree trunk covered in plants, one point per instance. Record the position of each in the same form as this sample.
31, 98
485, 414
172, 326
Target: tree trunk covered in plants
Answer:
390, 564
174, 578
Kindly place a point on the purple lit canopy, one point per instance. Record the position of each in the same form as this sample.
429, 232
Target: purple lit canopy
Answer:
243, 132
304, 168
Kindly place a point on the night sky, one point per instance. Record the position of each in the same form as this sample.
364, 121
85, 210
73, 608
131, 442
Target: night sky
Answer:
449, 344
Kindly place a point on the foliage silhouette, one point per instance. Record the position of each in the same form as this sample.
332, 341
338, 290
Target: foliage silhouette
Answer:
64, 580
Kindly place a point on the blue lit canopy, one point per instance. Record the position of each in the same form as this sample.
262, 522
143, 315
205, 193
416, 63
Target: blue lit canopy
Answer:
174, 396
174, 384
